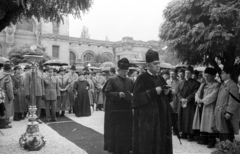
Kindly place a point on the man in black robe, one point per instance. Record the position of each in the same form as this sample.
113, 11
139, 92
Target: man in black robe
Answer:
186, 96
118, 111
152, 115
82, 102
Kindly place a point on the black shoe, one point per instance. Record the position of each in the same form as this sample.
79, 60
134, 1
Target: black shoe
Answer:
70, 111
54, 120
5, 127
16, 119
191, 138
184, 136
211, 146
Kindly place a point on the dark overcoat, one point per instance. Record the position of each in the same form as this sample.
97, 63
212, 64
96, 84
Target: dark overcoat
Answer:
187, 90
152, 117
118, 116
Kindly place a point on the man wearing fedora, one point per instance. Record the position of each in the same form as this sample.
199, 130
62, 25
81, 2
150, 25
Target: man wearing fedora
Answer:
152, 133
72, 77
118, 111
39, 90
52, 93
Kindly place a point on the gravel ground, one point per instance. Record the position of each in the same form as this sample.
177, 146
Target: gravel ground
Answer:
55, 144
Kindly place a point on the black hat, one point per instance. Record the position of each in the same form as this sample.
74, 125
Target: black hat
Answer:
27, 67
86, 73
151, 56
55, 70
123, 64
17, 67
61, 69
210, 71
196, 72
112, 69
181, 70
73, 67
189, 68
227, 69
7, 66
173, 70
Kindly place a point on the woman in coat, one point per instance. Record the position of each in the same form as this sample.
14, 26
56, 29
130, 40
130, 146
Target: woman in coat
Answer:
205, 98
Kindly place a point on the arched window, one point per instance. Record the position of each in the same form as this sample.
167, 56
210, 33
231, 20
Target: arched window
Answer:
88, 57
72, 58
25, 25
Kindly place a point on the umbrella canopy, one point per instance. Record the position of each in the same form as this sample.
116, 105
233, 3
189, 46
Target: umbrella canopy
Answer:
94, 68
55, 62
3, 60
200, 69
107, 65
166, 65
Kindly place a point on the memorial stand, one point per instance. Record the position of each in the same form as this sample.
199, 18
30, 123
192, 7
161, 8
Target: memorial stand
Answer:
32, 139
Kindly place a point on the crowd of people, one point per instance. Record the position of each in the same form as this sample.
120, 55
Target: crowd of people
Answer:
143, 108
56, 91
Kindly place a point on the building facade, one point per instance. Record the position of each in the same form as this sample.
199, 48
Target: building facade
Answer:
59, 45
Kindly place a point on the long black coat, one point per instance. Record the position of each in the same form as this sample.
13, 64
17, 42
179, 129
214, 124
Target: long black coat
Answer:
152, 117
118, 116
82, 102
187, 90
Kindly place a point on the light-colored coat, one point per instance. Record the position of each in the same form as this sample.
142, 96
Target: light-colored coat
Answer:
52, 89
209, 101
6, 85
225, 103
28, 84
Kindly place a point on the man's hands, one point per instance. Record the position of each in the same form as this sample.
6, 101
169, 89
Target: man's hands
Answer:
122, 95
159, 90
227, 116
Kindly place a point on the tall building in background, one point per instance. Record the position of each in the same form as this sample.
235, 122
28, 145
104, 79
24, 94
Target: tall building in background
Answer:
59, 45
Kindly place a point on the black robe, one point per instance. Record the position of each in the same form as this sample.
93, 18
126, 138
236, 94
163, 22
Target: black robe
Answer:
152, 117
187, 90
82, 102
118, 116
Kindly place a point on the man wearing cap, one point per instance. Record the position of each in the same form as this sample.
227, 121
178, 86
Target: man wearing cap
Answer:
101, 80
52, 93
63, 86
87, 76
72, 78
152, 116
19, 95
226, 114
205, 98
39, 90
6, 85
181, 74
118, 111
112, 72
186, 95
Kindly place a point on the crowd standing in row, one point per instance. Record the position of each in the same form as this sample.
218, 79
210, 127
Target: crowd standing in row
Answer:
56, 91
140, 109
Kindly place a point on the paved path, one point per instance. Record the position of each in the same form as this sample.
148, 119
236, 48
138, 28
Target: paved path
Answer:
59, 144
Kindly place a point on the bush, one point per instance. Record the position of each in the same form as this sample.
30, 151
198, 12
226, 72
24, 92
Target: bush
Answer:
228, 147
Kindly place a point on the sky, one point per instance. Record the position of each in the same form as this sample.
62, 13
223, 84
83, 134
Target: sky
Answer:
116, 19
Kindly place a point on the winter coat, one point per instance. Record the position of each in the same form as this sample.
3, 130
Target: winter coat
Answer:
209, 99
226, 104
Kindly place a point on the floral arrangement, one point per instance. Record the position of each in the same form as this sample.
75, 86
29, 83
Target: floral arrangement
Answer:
2, 96
227, 147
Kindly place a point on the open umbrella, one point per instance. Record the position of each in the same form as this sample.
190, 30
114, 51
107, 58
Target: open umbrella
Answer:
107, 65
166, 65
3, 60
200, 69
55, 62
